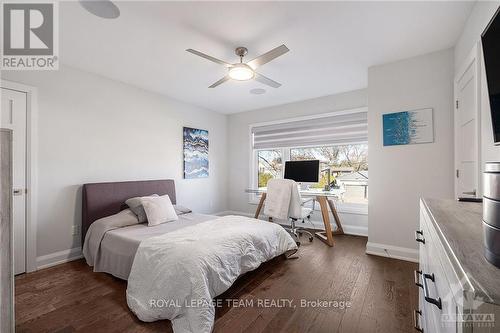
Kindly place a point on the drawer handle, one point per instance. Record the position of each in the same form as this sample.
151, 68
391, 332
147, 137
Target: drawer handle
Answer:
417, 238
416, 325
436, 302
417, 282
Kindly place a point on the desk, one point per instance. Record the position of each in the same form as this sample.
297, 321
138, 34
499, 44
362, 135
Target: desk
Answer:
325, 199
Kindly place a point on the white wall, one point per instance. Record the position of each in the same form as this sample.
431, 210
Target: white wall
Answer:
92, 129
477, 22
400, 175
239, 146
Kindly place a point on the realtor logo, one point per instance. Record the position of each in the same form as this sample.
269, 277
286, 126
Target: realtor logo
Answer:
29, 36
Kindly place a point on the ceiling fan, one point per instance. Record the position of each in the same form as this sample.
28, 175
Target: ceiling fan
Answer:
101, 8
242, 71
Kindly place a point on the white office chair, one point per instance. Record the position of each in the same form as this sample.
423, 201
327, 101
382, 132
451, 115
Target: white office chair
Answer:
283, 201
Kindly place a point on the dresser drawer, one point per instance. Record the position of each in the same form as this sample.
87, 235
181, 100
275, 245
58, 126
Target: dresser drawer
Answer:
436, 271
424, 241
423, 320
436, 302
434, 250
439, 291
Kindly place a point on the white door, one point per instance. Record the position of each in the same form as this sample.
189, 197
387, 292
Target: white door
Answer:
467, 124
13, 116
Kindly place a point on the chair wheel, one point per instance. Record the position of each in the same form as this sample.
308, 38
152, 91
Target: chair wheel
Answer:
311, 239
298, 243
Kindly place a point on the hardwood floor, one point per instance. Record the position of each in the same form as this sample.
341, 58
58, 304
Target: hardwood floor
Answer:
382, 296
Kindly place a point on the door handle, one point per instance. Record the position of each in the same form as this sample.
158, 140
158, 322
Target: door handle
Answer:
417, 238
473, 192
436, 302
416, 325
17, 191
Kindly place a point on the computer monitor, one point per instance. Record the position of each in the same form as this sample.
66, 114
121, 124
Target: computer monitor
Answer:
302, 171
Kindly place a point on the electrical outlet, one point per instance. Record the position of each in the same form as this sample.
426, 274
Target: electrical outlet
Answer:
75, 230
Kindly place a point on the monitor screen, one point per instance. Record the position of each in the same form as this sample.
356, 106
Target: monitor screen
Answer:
491, 52
302, 171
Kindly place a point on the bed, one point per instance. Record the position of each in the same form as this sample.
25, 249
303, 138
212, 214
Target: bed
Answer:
174, 270
118, 245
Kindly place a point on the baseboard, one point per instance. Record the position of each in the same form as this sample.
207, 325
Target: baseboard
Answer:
389, 251
316, 225
57, 258
355, 230
228, 212
233, 212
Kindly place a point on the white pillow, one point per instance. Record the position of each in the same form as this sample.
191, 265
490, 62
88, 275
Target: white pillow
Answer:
158, 210
135, 206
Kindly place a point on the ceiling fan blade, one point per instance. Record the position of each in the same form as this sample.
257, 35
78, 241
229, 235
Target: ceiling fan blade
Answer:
206, 56
262, 79
101, 8
268, 56
221, 81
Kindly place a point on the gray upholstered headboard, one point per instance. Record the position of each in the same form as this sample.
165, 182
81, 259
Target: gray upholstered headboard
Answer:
104, 199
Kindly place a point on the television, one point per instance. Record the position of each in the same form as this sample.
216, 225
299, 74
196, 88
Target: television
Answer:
302, 171
491, 52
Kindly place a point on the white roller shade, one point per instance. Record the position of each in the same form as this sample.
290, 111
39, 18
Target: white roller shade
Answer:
329, 130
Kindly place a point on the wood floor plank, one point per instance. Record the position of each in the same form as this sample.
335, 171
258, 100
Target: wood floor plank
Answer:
72, 298
312, 265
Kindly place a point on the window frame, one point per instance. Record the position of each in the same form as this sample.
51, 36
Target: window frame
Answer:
342, 207
255, 172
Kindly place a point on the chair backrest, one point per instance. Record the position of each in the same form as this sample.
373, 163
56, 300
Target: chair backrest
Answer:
295, 210
283, 199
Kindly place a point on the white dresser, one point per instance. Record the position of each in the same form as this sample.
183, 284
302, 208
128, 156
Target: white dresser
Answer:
459, 291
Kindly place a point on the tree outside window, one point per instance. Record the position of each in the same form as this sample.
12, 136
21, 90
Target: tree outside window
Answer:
348, 166
270, 166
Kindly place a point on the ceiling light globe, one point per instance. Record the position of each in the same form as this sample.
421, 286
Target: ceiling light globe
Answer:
241, 72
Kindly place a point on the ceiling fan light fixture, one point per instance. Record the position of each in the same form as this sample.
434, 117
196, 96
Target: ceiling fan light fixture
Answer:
241, 72
244, 71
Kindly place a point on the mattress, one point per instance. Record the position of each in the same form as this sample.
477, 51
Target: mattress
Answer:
118, 246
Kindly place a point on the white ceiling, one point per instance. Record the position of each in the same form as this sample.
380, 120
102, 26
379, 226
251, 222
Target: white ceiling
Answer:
331, 44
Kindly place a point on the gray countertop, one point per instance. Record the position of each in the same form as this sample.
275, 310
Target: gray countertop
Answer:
460, 224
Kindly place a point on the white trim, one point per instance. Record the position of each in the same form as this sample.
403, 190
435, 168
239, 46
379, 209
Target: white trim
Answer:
58, 258
31, 168
390, 251
230, 212
473, 59
348, 208
314, 116
317, 225
355, 230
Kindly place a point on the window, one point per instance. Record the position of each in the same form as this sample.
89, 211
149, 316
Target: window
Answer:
338, 140
348, 167
270, 166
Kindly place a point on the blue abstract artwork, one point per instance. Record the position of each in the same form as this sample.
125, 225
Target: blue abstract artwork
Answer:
195, 142
408, 127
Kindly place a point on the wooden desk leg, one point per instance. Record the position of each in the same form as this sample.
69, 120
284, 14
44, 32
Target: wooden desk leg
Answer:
259, 207
325, 236
340, 230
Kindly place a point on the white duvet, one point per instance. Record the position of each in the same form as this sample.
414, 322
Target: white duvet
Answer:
176, 275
